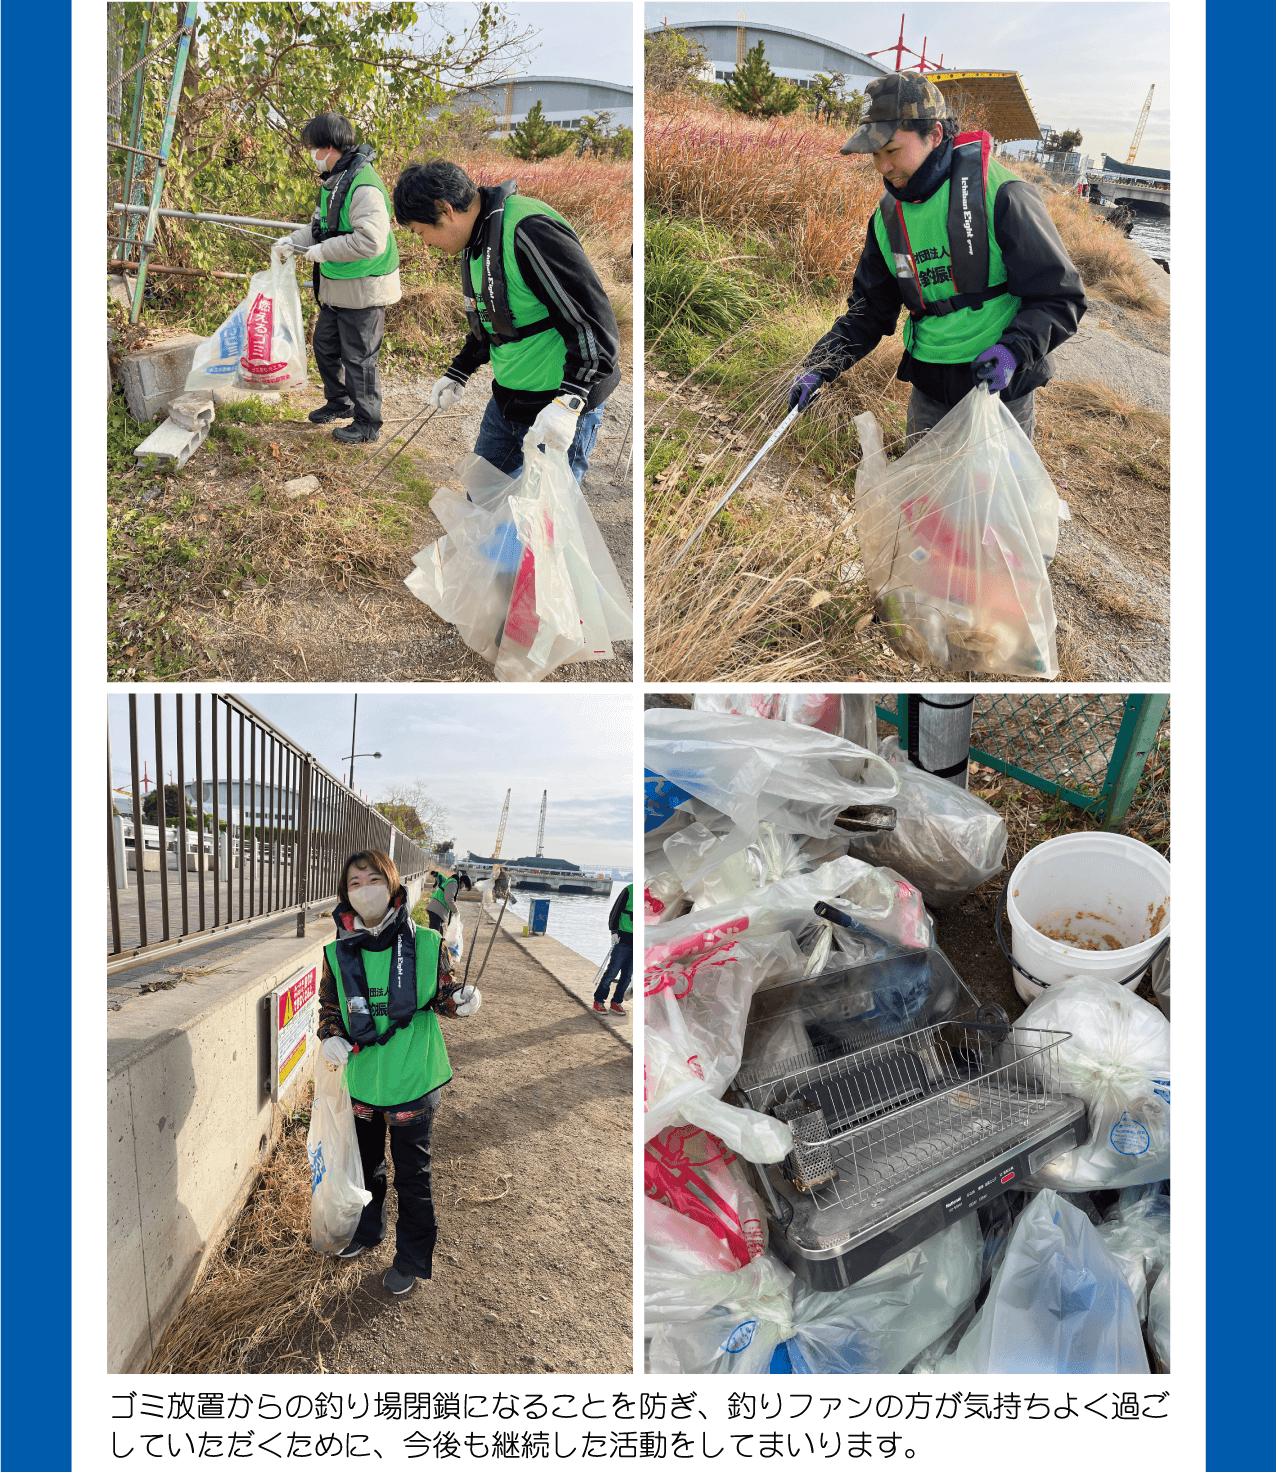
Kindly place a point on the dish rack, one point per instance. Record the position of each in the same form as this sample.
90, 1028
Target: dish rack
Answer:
895, 1139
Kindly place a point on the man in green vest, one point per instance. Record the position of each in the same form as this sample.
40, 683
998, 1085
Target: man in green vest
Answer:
535, 307
440, 900
356, 275
385, 984
620, 964
967, 247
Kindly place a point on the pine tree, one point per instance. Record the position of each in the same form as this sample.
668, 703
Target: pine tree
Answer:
536, 137
756, 91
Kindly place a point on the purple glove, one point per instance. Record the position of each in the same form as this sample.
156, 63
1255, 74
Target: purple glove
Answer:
995, 366
804, 386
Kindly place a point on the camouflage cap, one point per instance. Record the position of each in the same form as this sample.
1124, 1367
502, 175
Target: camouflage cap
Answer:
893, 100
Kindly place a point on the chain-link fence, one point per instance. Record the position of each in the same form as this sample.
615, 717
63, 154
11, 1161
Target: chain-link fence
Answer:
1106, 754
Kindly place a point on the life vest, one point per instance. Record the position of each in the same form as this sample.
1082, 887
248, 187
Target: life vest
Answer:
974, 274
627, 914
500, 309
332, 217
399, 1054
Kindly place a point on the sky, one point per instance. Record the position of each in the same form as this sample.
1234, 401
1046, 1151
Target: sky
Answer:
1084, 65
468, 746
592, 39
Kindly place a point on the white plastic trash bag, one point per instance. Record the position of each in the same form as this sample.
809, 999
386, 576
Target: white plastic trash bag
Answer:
337, 1196
262, 344
523, 573
454, 939
1137, 1234
947, 842
956, 536
1118, 1061
817, 708
1059, 1304
1159, 1321
881, 1323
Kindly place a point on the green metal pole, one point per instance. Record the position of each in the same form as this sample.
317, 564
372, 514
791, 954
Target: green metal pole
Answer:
166, 142
135, 132
1144, 714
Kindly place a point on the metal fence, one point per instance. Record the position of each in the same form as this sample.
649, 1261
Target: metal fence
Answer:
1107, 754
252, 826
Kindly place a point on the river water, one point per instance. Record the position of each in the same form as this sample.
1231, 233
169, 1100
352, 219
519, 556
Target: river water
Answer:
577, 921
1152, 234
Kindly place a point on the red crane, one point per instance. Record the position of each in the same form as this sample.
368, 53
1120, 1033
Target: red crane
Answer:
899, 49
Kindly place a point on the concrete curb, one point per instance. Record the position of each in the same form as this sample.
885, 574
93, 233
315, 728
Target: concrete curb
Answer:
575, 975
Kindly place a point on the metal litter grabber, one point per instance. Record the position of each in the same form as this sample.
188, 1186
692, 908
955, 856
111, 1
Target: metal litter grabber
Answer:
465, 980
367, 484
742, 477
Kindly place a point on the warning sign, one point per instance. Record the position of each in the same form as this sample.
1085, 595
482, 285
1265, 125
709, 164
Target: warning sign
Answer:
292, 1031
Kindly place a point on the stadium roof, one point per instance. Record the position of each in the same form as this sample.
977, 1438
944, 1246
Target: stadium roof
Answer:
762, 25
1010, 113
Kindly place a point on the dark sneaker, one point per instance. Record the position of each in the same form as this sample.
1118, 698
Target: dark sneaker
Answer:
398, 1283
616, 1007
331, 411
599, 1007
353, 1250
357, 434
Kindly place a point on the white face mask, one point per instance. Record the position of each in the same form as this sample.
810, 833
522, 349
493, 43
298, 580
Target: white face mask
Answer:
371, 901
318, 156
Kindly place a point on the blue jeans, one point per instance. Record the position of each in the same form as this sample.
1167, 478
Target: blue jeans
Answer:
620, 970
500, 443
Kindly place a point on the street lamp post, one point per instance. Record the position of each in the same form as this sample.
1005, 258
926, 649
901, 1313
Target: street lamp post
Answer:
353, 753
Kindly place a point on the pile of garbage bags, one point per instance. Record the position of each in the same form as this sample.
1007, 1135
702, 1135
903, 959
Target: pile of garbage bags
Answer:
523, 573
1067, 1272
956, 537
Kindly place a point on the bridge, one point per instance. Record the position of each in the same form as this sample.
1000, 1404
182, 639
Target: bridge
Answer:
1144, 191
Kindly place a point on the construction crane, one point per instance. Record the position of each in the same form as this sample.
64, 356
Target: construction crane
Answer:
1143, 122
540, 836
500, 832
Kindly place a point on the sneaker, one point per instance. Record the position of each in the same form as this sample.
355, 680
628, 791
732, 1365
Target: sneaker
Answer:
353, 1250
331, 411
398, 1283
616, 1007
357, 434
599, 1007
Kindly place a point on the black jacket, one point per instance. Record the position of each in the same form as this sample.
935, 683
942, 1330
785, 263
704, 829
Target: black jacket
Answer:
613, 920
1037, 270
558, 274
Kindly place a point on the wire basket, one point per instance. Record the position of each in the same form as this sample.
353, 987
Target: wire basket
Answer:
868, 1124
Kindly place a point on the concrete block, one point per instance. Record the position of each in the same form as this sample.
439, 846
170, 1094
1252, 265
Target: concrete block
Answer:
119, 289
171, 443
304, 485
150, 860
231, 393
192, 411
153, 377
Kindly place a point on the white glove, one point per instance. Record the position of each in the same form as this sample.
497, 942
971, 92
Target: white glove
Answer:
336, 1051
469, 1000
445, 393
284, 248
315, 253
555, 425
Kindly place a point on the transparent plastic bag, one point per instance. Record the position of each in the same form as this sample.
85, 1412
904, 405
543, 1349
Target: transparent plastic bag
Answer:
1137, 1234
337, 1195
1118, 1061
882, 1322
694, 1173
1058, 1304
752, 770
956, 536
1159, 1320
945, 841
523, 573
819, 709
454, 939
262, 344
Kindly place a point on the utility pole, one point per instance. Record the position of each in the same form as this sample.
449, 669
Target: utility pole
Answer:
353, 727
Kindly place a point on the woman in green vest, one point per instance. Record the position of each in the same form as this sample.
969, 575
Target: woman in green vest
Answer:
385, 984
352, 248
620, 964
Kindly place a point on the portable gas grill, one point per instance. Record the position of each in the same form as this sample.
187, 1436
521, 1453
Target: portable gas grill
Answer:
905, 1117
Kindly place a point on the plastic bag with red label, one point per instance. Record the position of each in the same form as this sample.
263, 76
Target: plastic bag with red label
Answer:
820, 709
523, 573
694, 1173
956, 536
262, 344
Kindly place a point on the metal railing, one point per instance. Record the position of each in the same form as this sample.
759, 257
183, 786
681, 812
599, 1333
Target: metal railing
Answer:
256, 828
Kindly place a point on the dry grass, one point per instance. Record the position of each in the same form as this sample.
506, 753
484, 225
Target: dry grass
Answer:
590, 194
265, 1298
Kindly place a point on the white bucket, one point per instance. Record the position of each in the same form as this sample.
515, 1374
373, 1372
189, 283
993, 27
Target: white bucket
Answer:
1105, 897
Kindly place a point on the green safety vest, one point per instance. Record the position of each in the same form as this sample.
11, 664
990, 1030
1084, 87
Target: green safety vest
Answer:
627, 914
381, 265
414, 1061
526, 352
947, 260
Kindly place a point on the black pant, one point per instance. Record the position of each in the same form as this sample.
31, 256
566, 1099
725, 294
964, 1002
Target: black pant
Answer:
417, 1229
620, 970
347, 344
